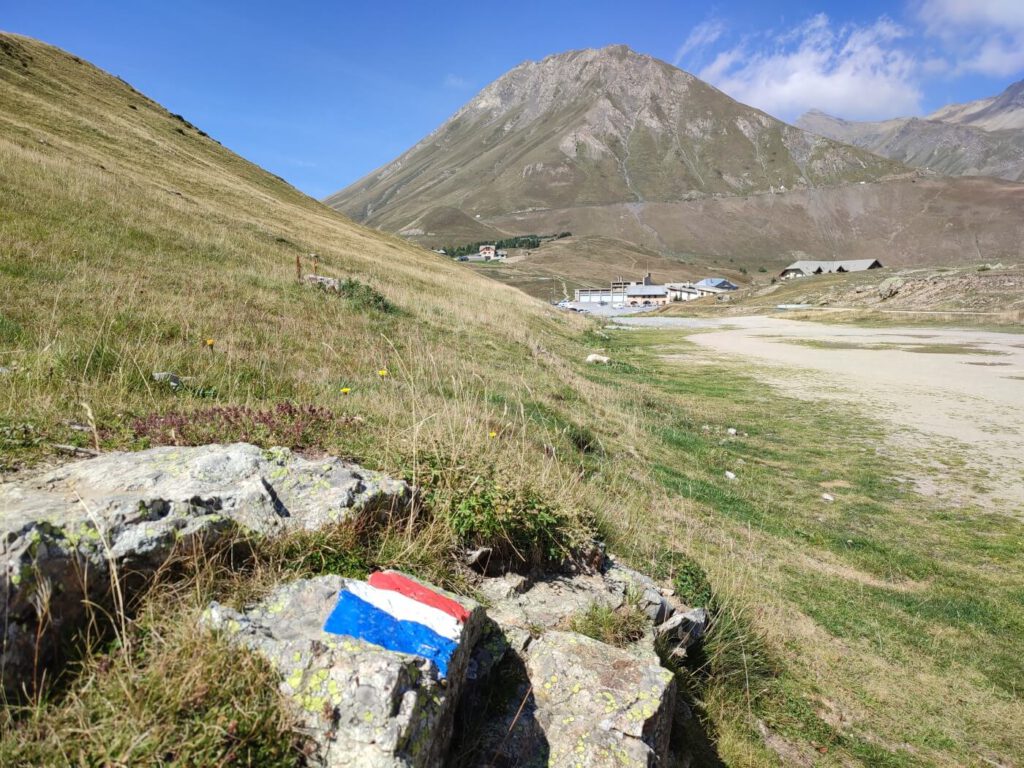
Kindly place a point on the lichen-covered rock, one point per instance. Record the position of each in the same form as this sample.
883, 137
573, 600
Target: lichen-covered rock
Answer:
683, 630
62, 532
600, 706
547, 602
563, 699
359, 704
641, 588
551, 601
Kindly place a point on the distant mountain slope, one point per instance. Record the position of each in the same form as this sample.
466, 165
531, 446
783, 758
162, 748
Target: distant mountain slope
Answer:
980, 138
909, 222
597, 127
1002, 112
613, 145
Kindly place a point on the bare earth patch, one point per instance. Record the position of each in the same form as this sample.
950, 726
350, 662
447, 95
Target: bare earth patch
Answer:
967, 419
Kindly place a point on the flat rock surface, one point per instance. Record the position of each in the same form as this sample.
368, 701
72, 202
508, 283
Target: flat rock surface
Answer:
551, 601
61, 531
262, 490
359, 704
598, 705
584, 703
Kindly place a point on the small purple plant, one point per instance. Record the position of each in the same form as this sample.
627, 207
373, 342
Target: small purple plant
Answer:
287, 424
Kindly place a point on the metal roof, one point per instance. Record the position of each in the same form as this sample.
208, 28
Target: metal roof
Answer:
849, 265
715, 282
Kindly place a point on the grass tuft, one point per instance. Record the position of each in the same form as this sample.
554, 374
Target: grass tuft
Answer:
614, 626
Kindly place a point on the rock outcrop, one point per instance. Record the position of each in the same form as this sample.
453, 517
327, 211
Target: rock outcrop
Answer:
569, 699
518, 604
599, 705
890, 287
360, 705
67, 536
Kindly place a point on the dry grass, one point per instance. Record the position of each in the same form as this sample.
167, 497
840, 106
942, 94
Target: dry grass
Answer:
127, 241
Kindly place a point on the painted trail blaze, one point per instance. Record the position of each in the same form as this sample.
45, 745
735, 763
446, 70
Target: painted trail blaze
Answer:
400, 614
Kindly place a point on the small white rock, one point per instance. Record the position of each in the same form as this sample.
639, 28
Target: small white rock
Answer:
598, 359
731, 431
828, 497
730, 475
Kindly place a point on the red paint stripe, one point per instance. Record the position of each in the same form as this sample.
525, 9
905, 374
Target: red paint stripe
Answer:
396, 582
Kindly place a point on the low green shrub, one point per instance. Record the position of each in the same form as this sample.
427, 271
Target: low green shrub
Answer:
363, 296
518, 525
689, 580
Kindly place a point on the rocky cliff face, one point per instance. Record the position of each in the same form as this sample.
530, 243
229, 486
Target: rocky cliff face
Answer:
980, 138
597, 127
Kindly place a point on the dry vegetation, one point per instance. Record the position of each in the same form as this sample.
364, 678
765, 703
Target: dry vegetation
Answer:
128, 240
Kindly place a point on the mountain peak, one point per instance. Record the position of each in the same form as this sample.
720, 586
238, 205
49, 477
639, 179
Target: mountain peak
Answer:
592, 127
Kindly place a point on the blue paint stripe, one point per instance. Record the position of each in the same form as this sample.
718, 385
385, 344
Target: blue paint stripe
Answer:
355, 617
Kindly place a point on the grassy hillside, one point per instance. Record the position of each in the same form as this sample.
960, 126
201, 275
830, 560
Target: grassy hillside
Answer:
130, 238
131, 243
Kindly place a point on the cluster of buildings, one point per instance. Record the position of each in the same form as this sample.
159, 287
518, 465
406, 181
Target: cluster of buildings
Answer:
645, 293
486, 253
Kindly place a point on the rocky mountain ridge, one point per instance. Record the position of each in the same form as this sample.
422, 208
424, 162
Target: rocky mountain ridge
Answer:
979, 138
1002, 112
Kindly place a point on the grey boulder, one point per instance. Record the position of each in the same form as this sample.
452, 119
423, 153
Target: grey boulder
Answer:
66, 534
600, 706
890, 287
358, 704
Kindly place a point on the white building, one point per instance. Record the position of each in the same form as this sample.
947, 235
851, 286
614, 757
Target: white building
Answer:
646, 296
683, 291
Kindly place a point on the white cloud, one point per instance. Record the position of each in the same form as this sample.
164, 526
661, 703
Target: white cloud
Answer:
456, 83
939, 15
984, 36
858, 72
704, 34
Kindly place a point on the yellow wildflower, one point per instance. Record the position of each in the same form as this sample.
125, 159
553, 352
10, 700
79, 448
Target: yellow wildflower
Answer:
492, 434
383, 373
209, 342
345, 390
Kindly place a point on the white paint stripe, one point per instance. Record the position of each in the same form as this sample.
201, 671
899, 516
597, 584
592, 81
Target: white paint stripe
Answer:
406, 609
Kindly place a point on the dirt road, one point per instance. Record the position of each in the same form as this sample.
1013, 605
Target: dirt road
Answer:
954, 398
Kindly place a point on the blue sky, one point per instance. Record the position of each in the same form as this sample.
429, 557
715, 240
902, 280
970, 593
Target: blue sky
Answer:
322, 93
